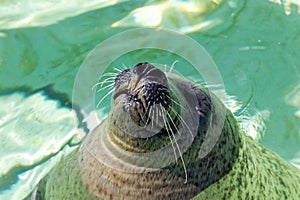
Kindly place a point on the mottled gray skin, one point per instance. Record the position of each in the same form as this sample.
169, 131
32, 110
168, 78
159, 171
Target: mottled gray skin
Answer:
235, 168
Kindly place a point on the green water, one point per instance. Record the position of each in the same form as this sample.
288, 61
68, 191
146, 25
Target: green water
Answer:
256, 48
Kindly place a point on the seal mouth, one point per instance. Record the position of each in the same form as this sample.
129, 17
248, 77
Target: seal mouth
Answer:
142, 88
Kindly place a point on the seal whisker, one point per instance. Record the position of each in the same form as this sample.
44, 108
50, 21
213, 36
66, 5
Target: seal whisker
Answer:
145, 143
173, 123
172, 66
107, 86
156, 109
101, 83
152, 117
147, 110
148, 72
107, 80
123, 67
149, 116
171, 140
104, 97
95, 85
119, 70
180, 153
175, 102
182, 120
110, 74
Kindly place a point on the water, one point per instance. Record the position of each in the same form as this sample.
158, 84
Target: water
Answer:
255, 45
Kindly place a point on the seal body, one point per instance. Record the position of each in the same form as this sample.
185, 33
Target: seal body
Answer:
167, 138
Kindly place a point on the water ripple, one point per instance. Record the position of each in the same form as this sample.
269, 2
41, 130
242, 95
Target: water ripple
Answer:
184, 16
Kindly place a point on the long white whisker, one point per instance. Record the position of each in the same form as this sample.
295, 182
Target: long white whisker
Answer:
156, 109
152, 117
109, 74
177, 103
124, 66
101, 83
171, 140
172, 66
147, 109
118, 70
107, 86
173, 123
144, 143
148, 72
180, 153
104, 97
107, 80
95, 85
160, 113
182, 120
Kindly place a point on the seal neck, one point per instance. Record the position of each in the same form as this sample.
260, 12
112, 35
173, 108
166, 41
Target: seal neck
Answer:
202, 172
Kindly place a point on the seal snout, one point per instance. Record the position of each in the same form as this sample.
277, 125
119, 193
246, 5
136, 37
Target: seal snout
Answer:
141, 88
154, 94
151, 85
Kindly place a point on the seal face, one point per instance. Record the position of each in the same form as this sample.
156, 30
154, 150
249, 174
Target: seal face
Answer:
141, 88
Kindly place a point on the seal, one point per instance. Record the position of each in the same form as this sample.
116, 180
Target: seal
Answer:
169, 138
